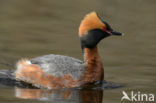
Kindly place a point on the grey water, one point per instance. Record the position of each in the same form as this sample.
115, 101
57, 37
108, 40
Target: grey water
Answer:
30, 28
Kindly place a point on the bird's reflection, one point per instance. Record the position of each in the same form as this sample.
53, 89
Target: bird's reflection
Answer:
61, 96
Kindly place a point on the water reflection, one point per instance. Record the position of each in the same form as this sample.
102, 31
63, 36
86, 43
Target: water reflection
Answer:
61, 96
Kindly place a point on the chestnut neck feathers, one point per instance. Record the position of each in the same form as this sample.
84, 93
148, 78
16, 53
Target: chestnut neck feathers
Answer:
94, 68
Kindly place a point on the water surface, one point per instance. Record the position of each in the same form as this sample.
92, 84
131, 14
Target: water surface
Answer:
31, 28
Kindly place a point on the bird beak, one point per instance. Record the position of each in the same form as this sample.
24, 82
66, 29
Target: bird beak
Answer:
116, 33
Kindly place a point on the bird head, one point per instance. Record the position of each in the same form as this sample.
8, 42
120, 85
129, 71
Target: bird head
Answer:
92, 29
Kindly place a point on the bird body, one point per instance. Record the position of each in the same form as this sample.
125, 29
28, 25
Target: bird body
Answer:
57, 71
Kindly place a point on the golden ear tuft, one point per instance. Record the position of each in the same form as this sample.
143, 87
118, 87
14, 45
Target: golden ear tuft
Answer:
90, 21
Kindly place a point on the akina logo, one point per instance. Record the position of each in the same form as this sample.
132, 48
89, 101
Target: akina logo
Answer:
138, 97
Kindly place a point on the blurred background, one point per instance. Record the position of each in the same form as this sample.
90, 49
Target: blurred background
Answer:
30, 28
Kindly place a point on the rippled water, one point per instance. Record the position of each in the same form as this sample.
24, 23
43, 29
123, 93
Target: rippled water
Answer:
30, 28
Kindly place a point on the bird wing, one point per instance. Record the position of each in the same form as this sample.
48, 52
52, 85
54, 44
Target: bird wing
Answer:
59, 65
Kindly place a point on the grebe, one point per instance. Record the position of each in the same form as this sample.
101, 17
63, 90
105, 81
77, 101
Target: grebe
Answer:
57, 71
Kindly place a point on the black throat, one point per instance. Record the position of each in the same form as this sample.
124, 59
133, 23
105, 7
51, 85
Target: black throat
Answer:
93, 37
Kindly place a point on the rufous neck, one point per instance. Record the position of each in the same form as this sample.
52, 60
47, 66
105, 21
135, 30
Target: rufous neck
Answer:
91, 54
94, 68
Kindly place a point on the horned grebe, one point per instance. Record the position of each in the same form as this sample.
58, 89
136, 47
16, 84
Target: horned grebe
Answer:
57, 71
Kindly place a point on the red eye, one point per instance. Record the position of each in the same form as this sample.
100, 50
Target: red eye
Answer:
105, 30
